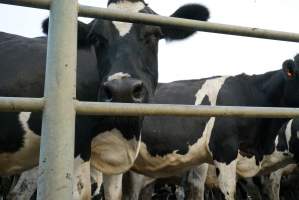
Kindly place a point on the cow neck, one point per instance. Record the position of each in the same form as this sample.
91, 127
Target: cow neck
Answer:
272, 84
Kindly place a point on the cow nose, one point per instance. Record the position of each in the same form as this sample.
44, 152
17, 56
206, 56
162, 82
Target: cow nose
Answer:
124, 90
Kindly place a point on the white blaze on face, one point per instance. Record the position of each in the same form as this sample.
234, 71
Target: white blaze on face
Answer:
118, 76
126, 6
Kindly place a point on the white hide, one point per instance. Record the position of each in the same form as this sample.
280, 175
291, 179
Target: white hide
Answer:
126, 6
111, 153
28, 155
82, 183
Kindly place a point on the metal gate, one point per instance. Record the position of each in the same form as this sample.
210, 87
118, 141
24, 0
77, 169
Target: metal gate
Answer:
59, 104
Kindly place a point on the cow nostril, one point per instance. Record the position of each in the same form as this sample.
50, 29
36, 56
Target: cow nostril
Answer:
107, 93
138, 92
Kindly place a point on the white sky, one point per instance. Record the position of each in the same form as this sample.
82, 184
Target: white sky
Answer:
204, 54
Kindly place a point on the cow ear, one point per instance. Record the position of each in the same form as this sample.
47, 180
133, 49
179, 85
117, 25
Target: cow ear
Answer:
189, 11
289, 69
84, 36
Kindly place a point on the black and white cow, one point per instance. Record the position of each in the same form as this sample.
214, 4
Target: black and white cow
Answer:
124, 68
22, 64
243, 146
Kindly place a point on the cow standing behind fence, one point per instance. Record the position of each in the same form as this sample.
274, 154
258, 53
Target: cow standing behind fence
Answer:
125, 70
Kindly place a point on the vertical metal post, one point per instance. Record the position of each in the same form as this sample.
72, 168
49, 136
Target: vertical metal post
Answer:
55, 180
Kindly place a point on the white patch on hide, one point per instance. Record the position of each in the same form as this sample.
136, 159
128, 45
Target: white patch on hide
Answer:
210, 88
212, 179
82, 183
288, 132
118, 76
129, 7
111, 153
27, 156
227, 179
173, 163
26, 185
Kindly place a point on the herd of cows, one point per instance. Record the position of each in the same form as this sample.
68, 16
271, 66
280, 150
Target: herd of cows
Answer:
165, 157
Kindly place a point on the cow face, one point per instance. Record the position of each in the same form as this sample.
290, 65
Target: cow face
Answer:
291, 87
128, 53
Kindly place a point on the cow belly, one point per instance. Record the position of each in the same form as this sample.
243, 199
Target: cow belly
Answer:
111, 153
247, 167
171, 164
25, 158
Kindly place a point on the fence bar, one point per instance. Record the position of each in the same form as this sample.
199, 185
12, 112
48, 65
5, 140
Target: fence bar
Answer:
96, 12
88, 11
56, 163
17, 104
43, 4
124, 109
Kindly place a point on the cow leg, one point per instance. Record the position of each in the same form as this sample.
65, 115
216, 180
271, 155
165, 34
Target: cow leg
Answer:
113, 186
82, 183
272, 185
196, 180
134, 185
25, 186
97, 179
227, 178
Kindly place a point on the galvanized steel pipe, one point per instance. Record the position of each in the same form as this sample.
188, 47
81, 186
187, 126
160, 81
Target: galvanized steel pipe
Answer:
56, 164
122, 109
96, 12
18, 104
43, 4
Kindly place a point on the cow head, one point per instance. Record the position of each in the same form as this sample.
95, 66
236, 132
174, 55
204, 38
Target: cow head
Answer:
128, 53
291, 74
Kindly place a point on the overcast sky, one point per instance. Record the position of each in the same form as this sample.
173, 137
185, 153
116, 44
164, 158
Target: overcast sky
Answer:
204, 54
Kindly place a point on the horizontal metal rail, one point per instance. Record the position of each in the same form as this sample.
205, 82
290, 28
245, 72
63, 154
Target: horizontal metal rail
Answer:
95, 12
18, 104
126, 109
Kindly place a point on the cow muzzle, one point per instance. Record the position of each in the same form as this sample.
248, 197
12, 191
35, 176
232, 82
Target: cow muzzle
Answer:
127, 90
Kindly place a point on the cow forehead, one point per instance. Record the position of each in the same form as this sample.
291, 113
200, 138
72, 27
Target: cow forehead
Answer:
126, 6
